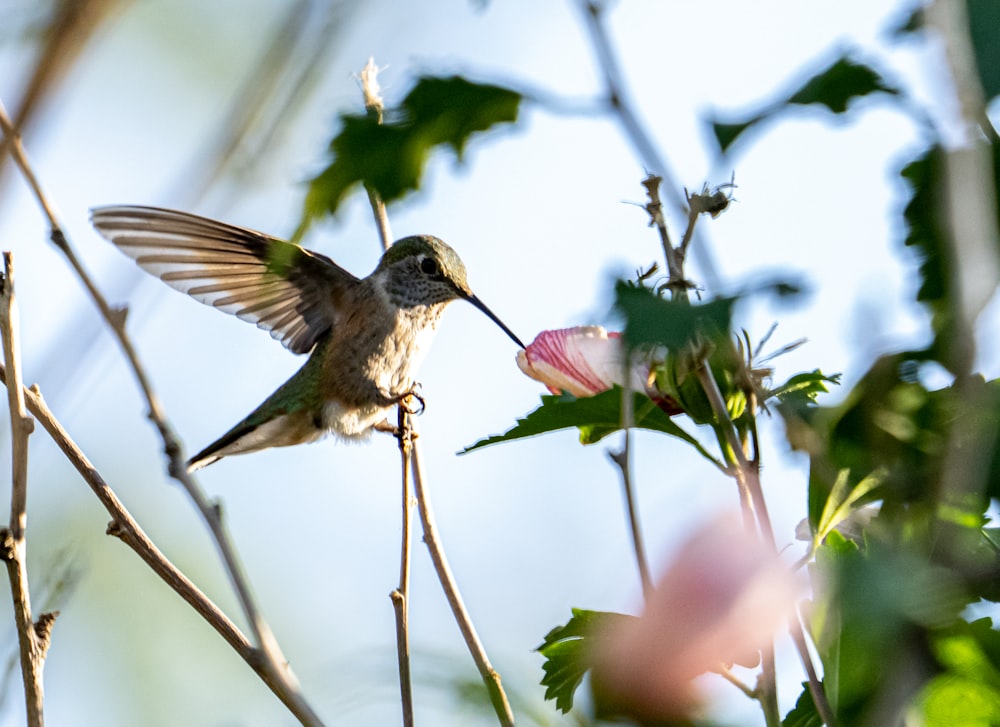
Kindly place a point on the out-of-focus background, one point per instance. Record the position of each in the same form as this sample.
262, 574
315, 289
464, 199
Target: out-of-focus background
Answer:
225, 109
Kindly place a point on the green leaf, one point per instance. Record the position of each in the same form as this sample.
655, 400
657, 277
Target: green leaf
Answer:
804, 713
802, 389
968, 691
984, 30
390, 157
984, 22
595, 416
651, 321
565, 649
834, 88
843, 500
925, 216
839, 84
876, 607
450, 110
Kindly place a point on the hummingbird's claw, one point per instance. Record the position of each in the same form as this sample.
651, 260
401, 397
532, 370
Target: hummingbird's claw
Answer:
406, 403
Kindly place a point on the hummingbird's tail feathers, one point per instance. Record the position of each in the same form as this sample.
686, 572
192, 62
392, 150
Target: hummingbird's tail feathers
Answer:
281, 287
256, 433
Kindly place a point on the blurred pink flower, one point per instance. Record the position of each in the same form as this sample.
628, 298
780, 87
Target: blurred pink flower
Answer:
720, 601
581, 361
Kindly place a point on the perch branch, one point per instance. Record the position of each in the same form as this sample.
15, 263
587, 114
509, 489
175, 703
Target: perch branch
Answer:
270, 656
32, 638
124, 527
490, 676
400, 596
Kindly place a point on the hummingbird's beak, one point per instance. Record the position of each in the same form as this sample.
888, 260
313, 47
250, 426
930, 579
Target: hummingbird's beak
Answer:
471, 297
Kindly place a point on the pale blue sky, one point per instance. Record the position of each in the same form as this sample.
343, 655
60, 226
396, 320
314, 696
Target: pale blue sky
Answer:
538, 214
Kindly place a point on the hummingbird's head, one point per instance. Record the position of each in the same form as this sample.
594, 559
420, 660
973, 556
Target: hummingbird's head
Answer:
423, 270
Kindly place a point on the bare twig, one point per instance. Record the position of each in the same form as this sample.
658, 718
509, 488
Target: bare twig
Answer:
621, 459
125, 527
33, 639
375, 106
368, 77
400, 596
727, 674
272, 660
491, 678
676, 283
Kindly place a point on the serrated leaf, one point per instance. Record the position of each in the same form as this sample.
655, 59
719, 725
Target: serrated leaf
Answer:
651, 321
567, 660
452, 109
834, 88
390, 157
595, 416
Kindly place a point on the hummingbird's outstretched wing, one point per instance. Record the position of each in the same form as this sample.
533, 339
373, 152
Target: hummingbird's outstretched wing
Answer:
283, 288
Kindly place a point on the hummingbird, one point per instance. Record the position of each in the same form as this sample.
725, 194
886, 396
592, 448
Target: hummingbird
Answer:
365, 337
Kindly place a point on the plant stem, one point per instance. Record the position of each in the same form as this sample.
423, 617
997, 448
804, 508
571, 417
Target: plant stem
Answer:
623, 460
400, 596
272, 661
124, 527
33, 641
490, 677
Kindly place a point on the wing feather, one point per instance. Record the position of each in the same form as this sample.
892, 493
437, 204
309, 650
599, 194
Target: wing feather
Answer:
283, 288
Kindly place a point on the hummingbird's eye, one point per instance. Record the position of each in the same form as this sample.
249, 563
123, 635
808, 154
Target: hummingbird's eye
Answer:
428, 266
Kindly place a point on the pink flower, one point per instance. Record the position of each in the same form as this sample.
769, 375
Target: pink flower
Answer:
722, 599
581, 361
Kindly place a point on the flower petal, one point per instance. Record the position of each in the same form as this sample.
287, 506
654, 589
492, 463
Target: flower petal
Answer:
583, 361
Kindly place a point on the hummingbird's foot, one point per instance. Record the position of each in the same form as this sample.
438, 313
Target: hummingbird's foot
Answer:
385, 426
405, 401
397, 432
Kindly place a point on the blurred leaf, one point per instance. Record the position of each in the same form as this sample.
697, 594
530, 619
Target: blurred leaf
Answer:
390, 157
834, 88
802, 389
843, 500
804, 713
595, 416
968, 691
912, 22
891, 424
651, 321
927, 235
565, 649
984, 30
875, 609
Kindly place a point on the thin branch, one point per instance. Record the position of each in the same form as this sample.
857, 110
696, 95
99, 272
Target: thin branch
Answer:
400, 596
368, 77
621, 459
375, 107
33, 641
676, 283
125, 528
272, 660
727, 674
491, 678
